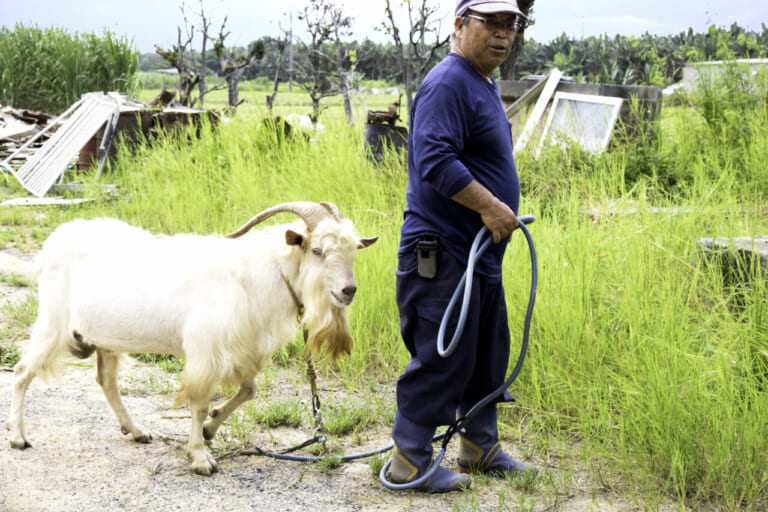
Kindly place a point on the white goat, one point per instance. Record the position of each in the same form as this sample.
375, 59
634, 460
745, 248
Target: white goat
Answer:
226, 305
304, 124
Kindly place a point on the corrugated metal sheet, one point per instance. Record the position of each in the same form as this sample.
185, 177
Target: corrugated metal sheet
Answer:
42, 170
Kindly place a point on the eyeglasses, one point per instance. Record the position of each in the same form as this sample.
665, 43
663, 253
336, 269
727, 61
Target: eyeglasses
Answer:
511, 26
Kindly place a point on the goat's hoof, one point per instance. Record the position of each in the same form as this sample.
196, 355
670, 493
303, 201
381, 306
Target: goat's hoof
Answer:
144, 438
205, 467
213, 413
20, 444
139, 436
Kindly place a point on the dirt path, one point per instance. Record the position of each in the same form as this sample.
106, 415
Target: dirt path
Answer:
79, 461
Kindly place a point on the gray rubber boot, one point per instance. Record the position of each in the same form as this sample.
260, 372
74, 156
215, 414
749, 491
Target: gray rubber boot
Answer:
412, 457
480, 450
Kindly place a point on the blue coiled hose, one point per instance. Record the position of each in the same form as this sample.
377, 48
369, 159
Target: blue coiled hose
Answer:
465, 285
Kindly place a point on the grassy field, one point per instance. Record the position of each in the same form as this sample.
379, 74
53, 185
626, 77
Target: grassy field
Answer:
289, 99
645, 363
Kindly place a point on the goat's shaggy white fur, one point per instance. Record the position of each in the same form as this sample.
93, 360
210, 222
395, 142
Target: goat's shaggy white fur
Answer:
106, 286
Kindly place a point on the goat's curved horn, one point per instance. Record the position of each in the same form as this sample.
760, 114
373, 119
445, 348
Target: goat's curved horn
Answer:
333, 210
311, 214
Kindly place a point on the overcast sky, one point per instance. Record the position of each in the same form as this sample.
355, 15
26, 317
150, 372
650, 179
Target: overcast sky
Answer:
150, 22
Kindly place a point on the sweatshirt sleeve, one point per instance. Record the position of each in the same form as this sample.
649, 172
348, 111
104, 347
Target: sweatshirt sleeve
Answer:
440, 124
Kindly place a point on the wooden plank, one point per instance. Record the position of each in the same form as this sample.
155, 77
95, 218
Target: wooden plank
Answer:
526, 99
538, 110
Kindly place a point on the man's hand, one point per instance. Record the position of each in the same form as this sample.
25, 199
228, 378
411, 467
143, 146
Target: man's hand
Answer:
499, 218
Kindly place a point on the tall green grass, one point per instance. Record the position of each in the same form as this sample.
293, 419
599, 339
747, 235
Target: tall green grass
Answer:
49, 69
645, 362
644, 354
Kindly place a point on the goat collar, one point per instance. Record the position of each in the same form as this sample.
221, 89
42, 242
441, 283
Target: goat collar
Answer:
295, 297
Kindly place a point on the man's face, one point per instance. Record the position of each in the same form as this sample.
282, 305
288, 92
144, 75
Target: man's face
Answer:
484, 41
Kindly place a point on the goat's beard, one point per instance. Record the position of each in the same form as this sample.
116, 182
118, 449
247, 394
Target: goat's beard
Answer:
331, 328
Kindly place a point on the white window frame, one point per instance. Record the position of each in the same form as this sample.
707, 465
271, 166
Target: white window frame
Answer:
610, 101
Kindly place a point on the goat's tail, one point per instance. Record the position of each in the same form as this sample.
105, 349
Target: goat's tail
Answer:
79, 347
12, 265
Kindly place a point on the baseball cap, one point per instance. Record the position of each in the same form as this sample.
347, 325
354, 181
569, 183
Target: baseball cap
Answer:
488, 7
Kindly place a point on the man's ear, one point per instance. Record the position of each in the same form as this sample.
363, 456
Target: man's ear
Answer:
294, 238
458, 25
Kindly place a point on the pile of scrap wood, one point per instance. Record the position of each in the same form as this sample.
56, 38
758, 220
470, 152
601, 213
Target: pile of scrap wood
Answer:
37, 148
17, 126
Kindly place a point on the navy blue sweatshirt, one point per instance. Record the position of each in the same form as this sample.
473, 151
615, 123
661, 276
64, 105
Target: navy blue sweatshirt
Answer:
458, 131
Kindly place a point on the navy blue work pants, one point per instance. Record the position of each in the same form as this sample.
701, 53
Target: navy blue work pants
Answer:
432, 389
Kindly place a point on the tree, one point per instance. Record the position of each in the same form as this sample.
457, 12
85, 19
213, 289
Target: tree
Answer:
341, 27
282, 44
508, 68
191, 74
316, 74
415, 55
376, 61
233, 64
206, 23
188, 76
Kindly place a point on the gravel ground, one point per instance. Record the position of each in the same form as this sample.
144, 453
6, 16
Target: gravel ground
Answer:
79, 460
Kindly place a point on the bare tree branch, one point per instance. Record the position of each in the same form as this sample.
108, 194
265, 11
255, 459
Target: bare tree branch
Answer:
325, 23
416, 55
206, 23
176, 57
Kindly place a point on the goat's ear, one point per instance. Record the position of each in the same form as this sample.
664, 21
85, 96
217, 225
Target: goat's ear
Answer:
294, 238
366, 242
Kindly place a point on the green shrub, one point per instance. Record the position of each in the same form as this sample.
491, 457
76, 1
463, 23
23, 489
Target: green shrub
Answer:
49, 69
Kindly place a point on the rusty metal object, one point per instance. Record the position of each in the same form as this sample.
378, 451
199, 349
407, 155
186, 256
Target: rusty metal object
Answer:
389, 116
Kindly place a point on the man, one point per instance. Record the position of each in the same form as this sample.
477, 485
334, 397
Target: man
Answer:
461, 176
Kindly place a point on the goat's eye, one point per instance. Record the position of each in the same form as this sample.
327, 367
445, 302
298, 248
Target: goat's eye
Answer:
317, 252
